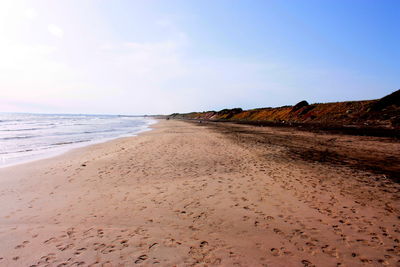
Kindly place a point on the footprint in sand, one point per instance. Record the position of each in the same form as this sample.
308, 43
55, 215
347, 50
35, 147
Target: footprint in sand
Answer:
275, 252
124, 243
141, 258
79, 251
153, 245
203, 244
62, 248
50, 240
98, 246
307, 263
22, 245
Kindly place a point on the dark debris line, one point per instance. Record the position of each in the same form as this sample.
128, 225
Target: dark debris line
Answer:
312, 148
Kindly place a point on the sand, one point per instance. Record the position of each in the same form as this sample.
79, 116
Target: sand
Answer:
186, 194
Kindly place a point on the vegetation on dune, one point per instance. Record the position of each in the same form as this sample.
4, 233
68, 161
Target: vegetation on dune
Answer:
384, 112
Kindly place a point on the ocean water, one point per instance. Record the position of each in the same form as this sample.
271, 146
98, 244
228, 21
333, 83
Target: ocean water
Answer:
25, 137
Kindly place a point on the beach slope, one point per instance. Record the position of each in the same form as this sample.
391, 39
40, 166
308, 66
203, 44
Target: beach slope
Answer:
188, 194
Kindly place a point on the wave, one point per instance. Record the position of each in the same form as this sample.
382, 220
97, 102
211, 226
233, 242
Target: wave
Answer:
101, 131
25, 136
84, 132
19, 151
19, 137
20, 130
69, 142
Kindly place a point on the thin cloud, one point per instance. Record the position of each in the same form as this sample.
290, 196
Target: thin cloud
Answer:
55, 30
31, 13
149, 66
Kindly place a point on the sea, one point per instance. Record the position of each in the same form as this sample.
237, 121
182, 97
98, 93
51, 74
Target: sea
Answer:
26, 137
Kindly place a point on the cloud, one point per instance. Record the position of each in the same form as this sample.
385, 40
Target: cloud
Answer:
159, 72
30, 13
55, 30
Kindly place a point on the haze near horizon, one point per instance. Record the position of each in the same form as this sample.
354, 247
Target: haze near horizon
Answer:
160, 57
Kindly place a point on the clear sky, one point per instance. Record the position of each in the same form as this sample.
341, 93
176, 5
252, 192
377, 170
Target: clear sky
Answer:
153, 57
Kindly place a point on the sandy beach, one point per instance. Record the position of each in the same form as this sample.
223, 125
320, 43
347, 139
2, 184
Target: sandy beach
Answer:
187, 194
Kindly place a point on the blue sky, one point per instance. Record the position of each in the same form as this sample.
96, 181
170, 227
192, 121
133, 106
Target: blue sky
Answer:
147, 57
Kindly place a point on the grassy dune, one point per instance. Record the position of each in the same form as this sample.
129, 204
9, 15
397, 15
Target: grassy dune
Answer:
379, 113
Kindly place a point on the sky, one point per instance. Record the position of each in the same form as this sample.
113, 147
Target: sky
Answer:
165, 56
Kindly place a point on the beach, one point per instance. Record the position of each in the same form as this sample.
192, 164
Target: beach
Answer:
197, 194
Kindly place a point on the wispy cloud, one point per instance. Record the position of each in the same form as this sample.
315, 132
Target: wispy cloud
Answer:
31, 13
55, 30
154, 64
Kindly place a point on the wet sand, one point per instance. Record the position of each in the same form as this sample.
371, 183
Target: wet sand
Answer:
190, 194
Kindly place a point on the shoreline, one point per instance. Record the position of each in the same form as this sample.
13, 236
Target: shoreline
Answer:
189, 194
62, 150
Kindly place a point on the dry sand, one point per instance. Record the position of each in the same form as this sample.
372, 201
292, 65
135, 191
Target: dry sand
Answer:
186, 194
